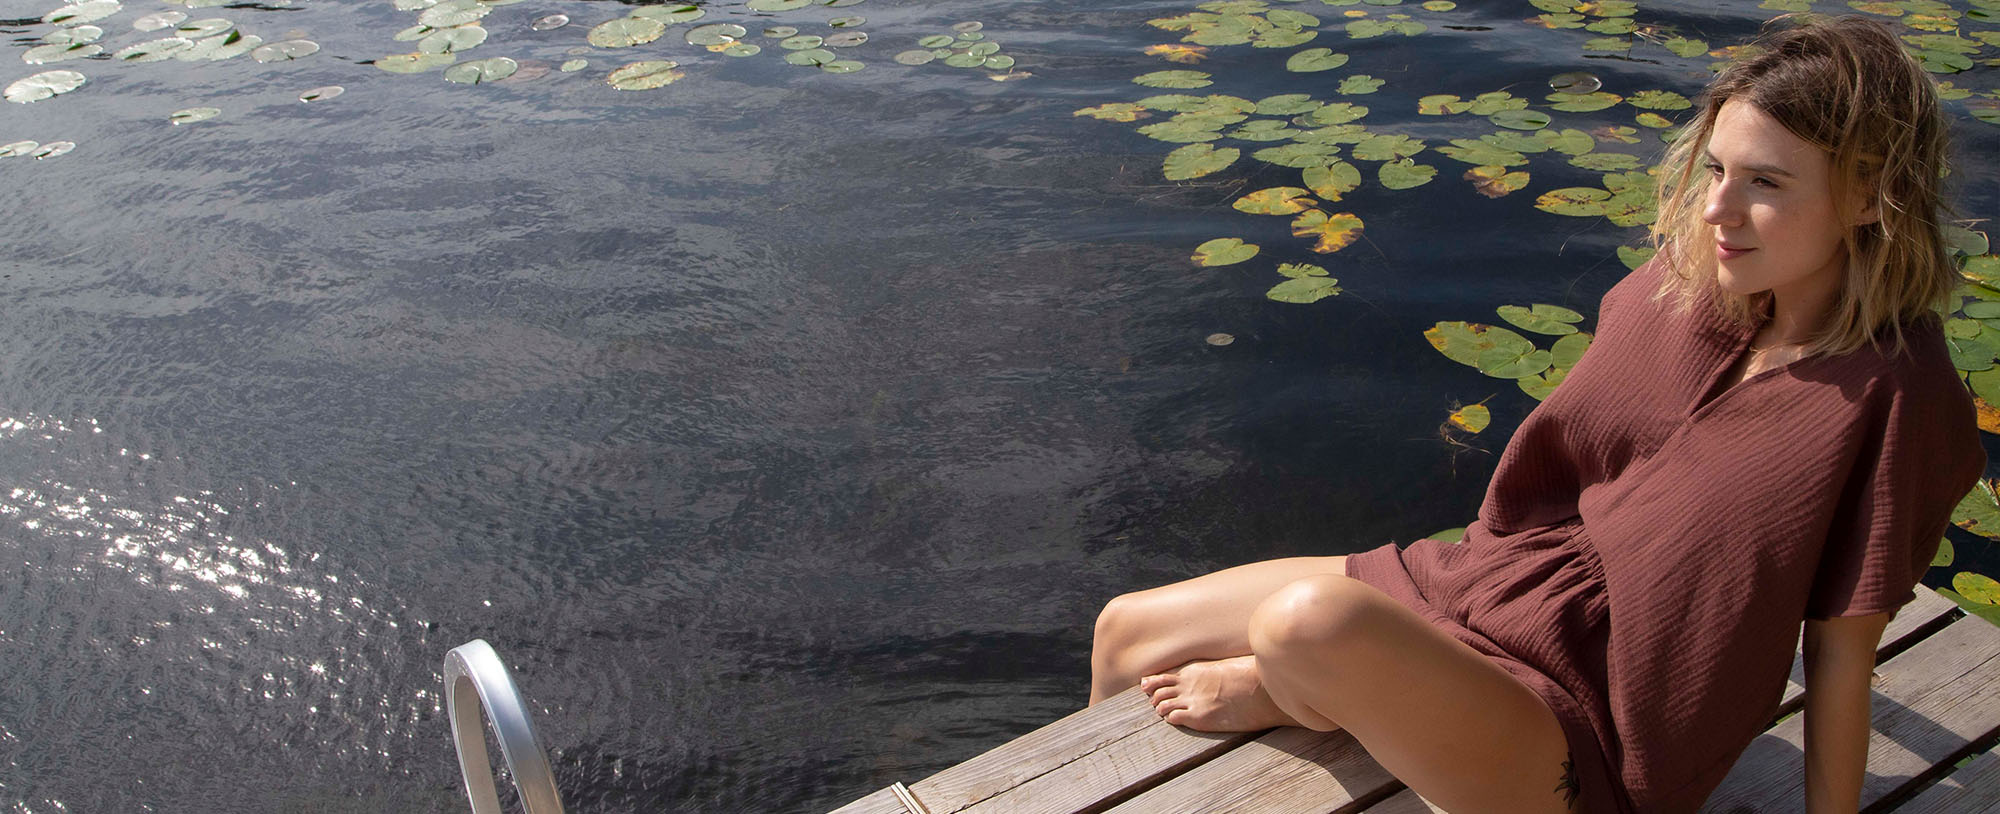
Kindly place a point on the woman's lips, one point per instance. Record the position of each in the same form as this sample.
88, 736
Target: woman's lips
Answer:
1724, 252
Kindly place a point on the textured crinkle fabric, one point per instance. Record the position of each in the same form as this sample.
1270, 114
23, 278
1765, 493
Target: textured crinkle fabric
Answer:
1652, 539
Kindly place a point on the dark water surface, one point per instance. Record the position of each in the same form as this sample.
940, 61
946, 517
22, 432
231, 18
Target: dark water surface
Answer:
782, 430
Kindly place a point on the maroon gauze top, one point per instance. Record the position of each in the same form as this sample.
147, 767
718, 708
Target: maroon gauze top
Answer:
1648, 546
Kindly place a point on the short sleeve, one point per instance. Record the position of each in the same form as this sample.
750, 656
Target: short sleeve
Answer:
1918, 457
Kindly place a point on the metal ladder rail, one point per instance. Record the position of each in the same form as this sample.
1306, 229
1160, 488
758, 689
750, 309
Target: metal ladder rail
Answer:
476, 686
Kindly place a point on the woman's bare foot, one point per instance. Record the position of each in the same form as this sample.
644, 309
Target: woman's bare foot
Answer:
1215, 696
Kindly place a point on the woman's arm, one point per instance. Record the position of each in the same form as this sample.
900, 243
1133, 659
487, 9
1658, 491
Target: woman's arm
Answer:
1839, 660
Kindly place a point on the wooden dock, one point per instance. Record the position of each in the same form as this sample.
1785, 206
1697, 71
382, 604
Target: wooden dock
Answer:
1936, 699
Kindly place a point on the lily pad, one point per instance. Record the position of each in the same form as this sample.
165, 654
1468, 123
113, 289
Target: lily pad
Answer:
452, 40
1387, 147
841, 65
1569, 141
158, 20
1315, 59
198, 29
413, 33
625, 32
1487, 104
1330, 232
1304, 290
999, 62
1466, 343
194, 114
777, 5
1197, 160
1404, 174
225, 46
1219, 339
1495, 182
1575, 201
550, 22
1332, 181
1684, 47
443, 16
1286, 104
152, 50
967, 26
847, 39
1653, 120
644, 75
919, 57
322, 93
18, 148
473, 72
1471, 417
573, 65
1224, 251
43, 85
1520, 119
74, 35
1542, 318
53, 149
1605, 162
847, 22
1275, 201
1299, 156
1441, 104
80, 13
1337, 113
1264, 130
1583, 102
1568, 350
1634, 257
1359, 84
1575, 82
813, 57
299, 49
45, 54
1173, 79
1481, 154
801, 42
937, 41
717, 34
1659, 100
414, 63
670, 13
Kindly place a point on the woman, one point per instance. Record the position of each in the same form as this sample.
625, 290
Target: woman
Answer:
1766, 429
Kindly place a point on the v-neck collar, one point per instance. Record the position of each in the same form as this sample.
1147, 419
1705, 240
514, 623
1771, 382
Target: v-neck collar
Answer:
1709, 396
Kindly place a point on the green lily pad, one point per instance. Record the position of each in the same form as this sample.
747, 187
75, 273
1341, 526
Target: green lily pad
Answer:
1583, 102
1965, 241
847, 22
1634, 257
1315, 59
842, 65
1387, 147
80, 13
226, 46
573, 65
1541, 318
1502, 363
1605, 162
197, 29
1487, 104
1569, 141
1471, 417
1971, 354
43, 85
917, 57
549, 23
1977, 588
1441, 104
965, 60
442, 16
414, 63
1197, 160
1275, 201
625, 32
1944, 61
1983, 269
1533, 143
779, 32
300, 49
1977, 512
194, 114
1264, 130
1613, 25
1986, 385
1337, 113
1575, 82
999, 62
978, 49
1962, 328
742, 49
1359, 84
1404, 174
1298, 270
1569, 349
776, 5
1481, 154
1224, 251
1574, 201
1299, 156
1684, 47
645, 75
45, 54
1332, 181
1287, 18
967, 26
1520, 119
814, 57
1304, 290
1608, 45
1286, 104
801, 42
1659, 100
937, 41
670, 13
848, 39
716, 34
414, 33
1173, 79
448, 40
322, 93
18, 148
1466, 343
1541, 385
473, 72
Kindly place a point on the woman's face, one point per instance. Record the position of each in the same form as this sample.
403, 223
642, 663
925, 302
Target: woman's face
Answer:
1771, 209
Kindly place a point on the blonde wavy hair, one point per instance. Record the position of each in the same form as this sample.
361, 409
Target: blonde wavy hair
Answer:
1846, 86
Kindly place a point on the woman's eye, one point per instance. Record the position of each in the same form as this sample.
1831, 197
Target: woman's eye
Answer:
1765, 181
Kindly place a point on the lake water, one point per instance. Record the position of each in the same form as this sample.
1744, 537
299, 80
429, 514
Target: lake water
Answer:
783, 430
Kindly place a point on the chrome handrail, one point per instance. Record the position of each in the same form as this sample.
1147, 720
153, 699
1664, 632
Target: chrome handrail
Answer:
476, 685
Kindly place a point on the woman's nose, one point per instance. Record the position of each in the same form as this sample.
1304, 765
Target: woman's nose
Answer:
1722, 209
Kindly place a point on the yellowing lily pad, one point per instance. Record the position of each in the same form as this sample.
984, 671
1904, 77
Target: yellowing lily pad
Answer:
1495, 182
1331, 232
1173, 79
1575, 201
1332, 181
645, 75
1183, 54
1275, 201
1471, 417
1659, 100
1224, 251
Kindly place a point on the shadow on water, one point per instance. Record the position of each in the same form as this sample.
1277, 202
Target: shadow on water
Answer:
783, 430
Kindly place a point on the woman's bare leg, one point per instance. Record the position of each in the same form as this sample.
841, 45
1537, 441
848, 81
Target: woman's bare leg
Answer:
1206, 618
1447, 721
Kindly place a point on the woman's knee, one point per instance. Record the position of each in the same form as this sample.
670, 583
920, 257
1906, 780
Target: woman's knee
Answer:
1317, 611
1118, 625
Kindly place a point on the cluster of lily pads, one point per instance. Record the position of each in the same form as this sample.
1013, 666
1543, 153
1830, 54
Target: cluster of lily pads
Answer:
965, 47
1505, 354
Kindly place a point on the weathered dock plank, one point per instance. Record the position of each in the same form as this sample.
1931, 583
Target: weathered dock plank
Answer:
1930, 704
1973, 789
1288, 769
